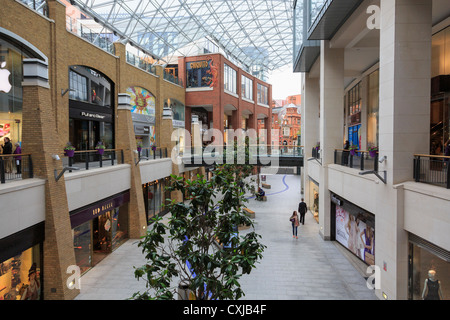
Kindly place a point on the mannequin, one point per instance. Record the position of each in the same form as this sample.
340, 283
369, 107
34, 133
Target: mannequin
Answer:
433, 286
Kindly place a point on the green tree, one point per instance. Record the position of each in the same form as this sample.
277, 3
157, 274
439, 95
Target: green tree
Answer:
200, 243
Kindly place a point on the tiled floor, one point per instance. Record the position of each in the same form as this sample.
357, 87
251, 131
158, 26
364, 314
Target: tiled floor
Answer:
292, 269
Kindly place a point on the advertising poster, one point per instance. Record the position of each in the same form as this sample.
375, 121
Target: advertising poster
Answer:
355, 235
142, 101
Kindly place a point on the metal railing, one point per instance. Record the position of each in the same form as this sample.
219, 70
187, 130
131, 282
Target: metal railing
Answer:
360, 159
432, 169
150, 153
102, 39
15, 167
92, 159
140, 63
170, 77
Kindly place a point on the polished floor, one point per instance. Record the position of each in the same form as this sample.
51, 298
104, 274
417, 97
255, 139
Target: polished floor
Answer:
307, 268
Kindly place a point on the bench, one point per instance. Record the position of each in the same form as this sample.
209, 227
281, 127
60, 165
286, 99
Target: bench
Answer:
266, 186
249, 212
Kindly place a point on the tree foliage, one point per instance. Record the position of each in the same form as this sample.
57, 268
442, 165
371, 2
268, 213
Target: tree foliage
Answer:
200, 243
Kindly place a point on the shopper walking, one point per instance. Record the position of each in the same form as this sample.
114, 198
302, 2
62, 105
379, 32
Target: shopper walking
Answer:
302, 209
295, 224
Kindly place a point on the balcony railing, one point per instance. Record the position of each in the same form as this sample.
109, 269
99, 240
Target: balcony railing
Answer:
170, 77
361, 160
91, 159
11, 170
141, 63
149, 153
432, 169
102, 39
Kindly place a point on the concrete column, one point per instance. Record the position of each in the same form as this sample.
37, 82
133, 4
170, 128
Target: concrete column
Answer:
331, 123
405, 79
310, 125
39, 137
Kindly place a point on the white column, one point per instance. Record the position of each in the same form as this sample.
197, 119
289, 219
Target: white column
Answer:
405, 77
331, 123
310, 126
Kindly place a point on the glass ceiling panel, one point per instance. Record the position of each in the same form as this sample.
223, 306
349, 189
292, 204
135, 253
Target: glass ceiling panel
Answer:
253, 32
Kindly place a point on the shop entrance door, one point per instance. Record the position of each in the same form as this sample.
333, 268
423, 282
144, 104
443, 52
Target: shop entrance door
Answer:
101, 237
86, 135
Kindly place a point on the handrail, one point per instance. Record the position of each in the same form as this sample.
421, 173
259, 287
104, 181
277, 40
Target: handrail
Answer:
431, 156
15, 155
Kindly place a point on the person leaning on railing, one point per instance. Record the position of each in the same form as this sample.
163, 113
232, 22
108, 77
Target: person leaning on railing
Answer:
18, 158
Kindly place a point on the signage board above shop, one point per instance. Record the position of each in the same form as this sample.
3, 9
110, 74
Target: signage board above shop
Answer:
94, 115
80, 216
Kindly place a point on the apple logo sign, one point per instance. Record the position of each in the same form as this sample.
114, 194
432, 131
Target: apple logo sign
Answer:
4, 78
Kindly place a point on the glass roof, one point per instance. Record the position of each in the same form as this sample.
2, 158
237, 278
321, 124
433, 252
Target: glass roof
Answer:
255, 34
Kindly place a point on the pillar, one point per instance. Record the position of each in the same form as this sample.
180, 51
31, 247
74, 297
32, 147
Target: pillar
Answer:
405, 80
39, 137
125, 140
331, 123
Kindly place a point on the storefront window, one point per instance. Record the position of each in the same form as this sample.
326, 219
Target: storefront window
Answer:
11, 91
263, 97
355, 230
20, 276
440, 92
119, 228
82, 246
247, 88
314, 199
89, 85
229, 78
429, 275
373, 109
198, 74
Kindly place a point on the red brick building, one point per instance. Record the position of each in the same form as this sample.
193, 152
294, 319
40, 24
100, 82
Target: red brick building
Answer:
287, 120
222, 95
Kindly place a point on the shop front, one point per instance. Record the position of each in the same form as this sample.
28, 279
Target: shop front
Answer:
429, 270
98, 229
143, 111
91, 109
12, 54
353, 228
178, 122
313, 201
21, 264
155, 197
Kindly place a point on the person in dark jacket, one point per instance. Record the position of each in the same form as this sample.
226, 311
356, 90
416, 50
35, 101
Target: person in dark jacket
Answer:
302, 208
18, 159
7, 149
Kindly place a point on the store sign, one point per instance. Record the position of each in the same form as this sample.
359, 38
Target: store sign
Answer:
199, 64
178, 123
79, 217
92, 115
5, 85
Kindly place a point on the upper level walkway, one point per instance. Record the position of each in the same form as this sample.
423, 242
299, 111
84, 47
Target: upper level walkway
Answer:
307, 268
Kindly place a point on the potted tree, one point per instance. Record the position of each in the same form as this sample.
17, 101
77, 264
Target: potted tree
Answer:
100, 147
69, 150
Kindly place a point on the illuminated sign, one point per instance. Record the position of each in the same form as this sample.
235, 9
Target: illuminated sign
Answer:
4, 78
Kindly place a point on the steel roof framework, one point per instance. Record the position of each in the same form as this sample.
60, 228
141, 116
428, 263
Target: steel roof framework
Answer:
251, 32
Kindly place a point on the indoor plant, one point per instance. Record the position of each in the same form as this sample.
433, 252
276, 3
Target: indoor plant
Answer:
100, 147
69, 150
353, 148
373, 151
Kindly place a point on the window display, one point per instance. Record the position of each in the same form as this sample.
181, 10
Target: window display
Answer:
198, 74
20, 276
429, 273
313, 203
